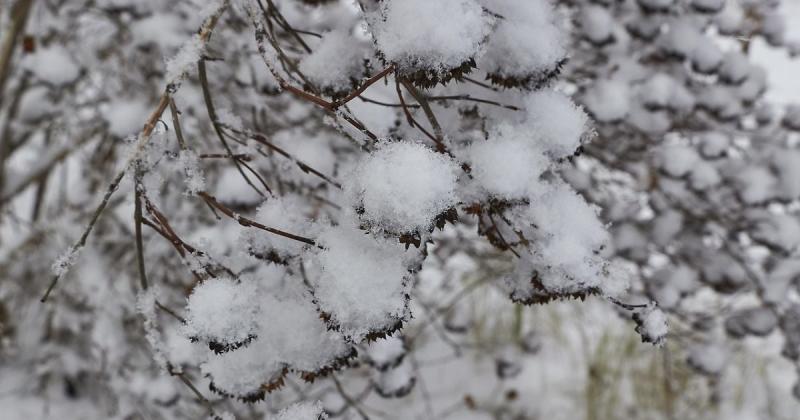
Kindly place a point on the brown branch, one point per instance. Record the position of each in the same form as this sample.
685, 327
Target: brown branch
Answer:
470, 98
144, 139
251, 223
437, 128
212, 115
369, 82
410, 119
262, 139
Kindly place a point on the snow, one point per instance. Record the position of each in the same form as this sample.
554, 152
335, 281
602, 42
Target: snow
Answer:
709, 358
386, 353
706, 56
160, 29
678, 160
735, 67
53, 64
222, 310
194, 179
146, 306
232, 189
314, 151
126, 116
422, 34
289, 335
755, 184
402, 186
675, 282
567, 232
185, 59
243, 371
702, 205
597, 24
361, 280
713, 144
395, 382
64, 262
666, 226
335, 62
680, 38
508, 164
287, 213
301, 411
731, 18
791, 117
527, 41
556, 122
786, 163
663, 91
652, 324
756, 321
292, 330
781, 230
720, 270
608, 100
704, 176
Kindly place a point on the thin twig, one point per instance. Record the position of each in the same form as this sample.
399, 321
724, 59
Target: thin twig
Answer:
144, 139
212, 114
369, 82
251, 223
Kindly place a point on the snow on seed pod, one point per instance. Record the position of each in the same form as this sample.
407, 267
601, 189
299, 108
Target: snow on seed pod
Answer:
222, 312
423, 41
402, 187
361, 282
528, 47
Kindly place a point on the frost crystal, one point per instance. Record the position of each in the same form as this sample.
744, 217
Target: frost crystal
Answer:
195, 179
64, 262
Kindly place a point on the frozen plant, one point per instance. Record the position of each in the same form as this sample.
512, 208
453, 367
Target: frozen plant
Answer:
303, 193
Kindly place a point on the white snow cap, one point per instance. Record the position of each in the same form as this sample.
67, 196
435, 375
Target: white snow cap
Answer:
289, 334
570, 228
53, 64
403, 186
508, 164
433, 35
677, 160
335, 62
608, 100
287, 213
361, 280
652, 324
556, 122
222, 310
527, 41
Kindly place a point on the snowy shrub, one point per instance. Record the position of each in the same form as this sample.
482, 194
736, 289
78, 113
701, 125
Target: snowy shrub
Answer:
307, 209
